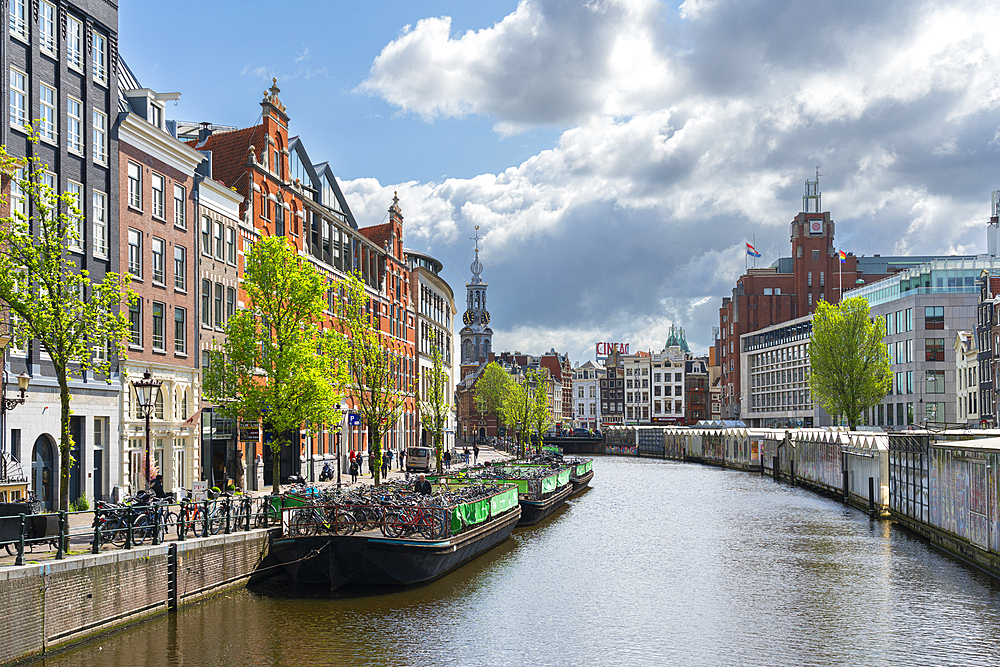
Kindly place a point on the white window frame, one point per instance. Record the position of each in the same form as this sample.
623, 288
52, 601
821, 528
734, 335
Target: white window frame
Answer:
18, 98
100, 137
99, 211
47, 28
158, 248
231, 246
180, 343
162, 346
18, 202
74, 188
134, 185
99, 57
206, 236
180, 204
158, 187
180, 268
74, 125
220, 243
135, 263
18, 18
49, 125
74, 43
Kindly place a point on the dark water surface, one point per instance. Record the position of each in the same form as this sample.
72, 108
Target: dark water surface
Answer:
658, 564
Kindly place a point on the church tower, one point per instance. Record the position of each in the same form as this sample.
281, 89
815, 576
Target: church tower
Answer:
476, 337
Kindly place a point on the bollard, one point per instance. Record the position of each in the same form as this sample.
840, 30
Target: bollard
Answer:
247, 509
204, 519
774, 469
229, 513
791, 472
63, 537
128, 528
20, 544
847, 482
182, 522
871, 498
157, 513
95, 546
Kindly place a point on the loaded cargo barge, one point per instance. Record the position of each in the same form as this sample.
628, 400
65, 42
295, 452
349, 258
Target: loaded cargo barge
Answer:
370, 558
580, 475
542, 488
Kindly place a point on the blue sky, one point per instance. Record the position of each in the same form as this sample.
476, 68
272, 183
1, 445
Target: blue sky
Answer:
616, 154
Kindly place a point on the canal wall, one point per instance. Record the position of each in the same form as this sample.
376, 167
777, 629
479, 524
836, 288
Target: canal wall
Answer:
52, 605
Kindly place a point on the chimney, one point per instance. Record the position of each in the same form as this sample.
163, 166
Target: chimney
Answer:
204, 132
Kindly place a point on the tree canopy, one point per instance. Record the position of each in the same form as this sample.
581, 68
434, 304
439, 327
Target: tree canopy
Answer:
278, 365
377, 373
79, 323
849, 360
434, 406
492, 388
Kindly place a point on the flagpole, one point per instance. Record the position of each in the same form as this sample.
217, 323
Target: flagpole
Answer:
755, 250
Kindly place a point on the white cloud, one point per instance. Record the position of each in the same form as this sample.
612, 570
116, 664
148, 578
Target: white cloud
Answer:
684, 138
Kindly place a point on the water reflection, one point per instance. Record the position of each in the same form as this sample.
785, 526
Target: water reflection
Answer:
659, 564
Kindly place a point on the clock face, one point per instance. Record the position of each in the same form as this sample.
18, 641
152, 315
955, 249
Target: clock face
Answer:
468, 318
486, 317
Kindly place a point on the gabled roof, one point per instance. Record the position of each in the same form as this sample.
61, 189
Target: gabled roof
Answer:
229, 154
378, 234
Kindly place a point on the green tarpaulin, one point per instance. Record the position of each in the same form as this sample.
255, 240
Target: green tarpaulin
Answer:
481, 510
584, 468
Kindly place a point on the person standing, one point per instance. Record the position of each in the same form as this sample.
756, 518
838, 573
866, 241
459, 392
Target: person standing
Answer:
385, 464
447, 459
423, 487
371, 464
475, 453
354, 470
402, 457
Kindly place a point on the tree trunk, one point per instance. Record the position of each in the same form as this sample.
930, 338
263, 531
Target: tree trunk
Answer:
65, 441
276, 467
438, 448
375, 447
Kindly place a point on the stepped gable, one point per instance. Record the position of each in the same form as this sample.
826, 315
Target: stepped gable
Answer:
229, 154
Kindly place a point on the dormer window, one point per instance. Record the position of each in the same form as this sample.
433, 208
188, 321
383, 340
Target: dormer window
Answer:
156, 115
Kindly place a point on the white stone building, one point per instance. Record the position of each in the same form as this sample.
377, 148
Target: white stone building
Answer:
586, 403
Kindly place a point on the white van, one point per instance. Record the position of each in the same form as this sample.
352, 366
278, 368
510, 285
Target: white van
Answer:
418, 459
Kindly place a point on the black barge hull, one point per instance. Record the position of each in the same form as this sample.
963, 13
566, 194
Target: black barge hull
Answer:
580, 483
373, 560
533, 511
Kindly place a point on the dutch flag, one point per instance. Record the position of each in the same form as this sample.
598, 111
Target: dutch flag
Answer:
751, 251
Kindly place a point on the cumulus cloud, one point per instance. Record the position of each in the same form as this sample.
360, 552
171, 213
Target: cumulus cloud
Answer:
685, 133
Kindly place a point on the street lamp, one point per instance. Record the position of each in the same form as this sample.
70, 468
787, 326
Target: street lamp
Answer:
9, 403
147, 390
336, 434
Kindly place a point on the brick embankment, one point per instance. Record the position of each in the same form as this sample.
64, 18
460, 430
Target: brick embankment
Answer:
52, 605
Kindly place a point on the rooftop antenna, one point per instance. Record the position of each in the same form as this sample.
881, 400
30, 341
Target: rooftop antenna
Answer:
812, 200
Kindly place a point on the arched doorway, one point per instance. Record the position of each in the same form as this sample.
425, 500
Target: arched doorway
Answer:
42, 471
482, 433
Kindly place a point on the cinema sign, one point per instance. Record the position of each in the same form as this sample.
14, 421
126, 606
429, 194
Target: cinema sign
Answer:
605, 350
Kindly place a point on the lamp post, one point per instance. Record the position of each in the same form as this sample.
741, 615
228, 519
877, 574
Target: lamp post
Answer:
147, 390
336, 435
9, 403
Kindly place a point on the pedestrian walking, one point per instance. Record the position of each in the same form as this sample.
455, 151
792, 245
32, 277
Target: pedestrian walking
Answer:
385, 465
389, 454
402, 457
475, 453
371, 463
466, 456
447, 459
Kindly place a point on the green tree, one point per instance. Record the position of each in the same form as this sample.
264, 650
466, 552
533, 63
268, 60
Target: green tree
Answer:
850, 363
434, 406
379, 384
278, 365
541, 419
79, 323
492, 389
525, 402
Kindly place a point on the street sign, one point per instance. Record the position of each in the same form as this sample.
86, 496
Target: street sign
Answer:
353, 419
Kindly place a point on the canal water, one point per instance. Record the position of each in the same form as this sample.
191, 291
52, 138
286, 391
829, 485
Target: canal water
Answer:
659, 563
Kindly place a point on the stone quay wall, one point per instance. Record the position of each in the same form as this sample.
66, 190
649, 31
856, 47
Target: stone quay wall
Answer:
53, 605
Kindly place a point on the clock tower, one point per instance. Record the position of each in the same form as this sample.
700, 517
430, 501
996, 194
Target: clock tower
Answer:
476, 337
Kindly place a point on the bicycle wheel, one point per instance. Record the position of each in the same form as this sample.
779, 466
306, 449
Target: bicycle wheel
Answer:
216, 522
168, 519
393, 525
343, 523
302, 523
142, 529
196, 522
117, 530
425, 525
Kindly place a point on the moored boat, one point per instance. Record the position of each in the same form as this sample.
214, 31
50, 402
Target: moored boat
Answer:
542, 487
371, 557
580, 475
